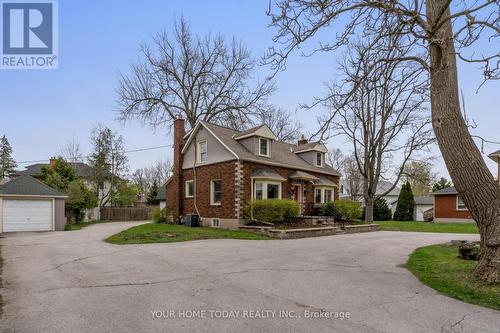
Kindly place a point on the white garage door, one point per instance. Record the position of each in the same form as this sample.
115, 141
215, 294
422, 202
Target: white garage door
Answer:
27, 215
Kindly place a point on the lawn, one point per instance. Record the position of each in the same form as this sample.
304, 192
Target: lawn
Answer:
168, 233
459, 228
438, 267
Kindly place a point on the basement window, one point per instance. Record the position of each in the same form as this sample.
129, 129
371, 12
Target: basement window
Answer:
215, 223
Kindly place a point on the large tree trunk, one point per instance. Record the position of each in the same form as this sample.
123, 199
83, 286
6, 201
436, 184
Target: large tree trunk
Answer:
369, 209
463, 159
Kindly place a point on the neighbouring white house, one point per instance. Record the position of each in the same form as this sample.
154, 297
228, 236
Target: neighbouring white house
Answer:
422, 205
161, 197
383, 186
84, 172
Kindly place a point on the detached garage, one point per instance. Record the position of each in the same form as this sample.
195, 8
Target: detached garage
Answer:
27, 204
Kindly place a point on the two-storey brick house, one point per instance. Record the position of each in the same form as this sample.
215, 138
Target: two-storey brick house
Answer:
216, 170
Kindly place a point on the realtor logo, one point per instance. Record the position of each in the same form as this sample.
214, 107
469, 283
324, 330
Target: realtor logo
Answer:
29, 34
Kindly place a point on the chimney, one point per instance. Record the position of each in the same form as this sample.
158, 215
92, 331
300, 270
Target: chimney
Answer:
52, 161
175, 189
302, 140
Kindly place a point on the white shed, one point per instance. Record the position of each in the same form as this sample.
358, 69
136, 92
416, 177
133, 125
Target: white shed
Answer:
422, 204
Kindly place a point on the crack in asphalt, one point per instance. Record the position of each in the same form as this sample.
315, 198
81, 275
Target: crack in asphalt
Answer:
455, 324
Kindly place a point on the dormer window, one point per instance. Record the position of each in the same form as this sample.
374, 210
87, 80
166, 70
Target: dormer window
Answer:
319, 159
202, 151
264, 147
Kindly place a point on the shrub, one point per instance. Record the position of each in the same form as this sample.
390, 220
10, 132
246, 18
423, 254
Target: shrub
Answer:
381, 210
328, 209
347, 210
156, 214
79, 199
272, 210
406, 203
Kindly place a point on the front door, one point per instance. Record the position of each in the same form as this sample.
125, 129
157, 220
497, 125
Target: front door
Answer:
297, 195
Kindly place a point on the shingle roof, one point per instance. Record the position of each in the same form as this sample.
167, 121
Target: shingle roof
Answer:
82, 170
495, 156
282, 153
448, 190
267, 173
306, 146
424, 200
249, 131
161, 193
29, 186
382, 187
322, 181
302, 175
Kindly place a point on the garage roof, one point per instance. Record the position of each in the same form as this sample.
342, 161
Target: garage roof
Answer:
28, 186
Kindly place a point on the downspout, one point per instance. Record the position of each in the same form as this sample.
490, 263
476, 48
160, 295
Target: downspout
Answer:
194, 179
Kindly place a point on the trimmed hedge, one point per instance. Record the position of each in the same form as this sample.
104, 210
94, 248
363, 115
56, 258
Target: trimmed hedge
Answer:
343, 210
272, 210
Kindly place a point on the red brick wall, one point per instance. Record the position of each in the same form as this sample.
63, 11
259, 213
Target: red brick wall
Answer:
224, 171
446, 208
249, 167
175, 186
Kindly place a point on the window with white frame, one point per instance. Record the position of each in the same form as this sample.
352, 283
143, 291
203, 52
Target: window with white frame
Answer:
215, 192
215, 223
319, 159
267, 190
317, 195
328, 195
202, 151
323, 195
189, 188
460, 204
264, 147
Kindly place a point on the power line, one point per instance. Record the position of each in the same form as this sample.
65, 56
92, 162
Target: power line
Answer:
86, 156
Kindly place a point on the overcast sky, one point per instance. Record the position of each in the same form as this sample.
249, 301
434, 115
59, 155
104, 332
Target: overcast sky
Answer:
41, 110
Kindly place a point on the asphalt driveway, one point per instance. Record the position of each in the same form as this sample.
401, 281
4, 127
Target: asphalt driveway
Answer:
75, 282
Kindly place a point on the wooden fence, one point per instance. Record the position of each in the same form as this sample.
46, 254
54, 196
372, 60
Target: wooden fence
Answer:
126, 213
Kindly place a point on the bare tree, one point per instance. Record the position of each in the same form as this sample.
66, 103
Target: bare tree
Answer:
420, 176
205, 78
353, 178
157, 173
380, 107
282, 123
443, 35
72, 151
335, 158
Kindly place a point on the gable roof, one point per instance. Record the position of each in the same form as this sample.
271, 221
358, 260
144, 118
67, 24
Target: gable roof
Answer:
316, 146
262, 130
448, 190
383, 186
282, 153
28, 186
161, 193
424, 200
495, 156
82, 170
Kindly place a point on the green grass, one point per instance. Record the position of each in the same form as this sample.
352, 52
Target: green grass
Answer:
438, 267
460, 228
81, 225
167, 233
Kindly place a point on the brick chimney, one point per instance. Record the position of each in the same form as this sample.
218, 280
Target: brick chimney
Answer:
52, 162
302, 140
175, 188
